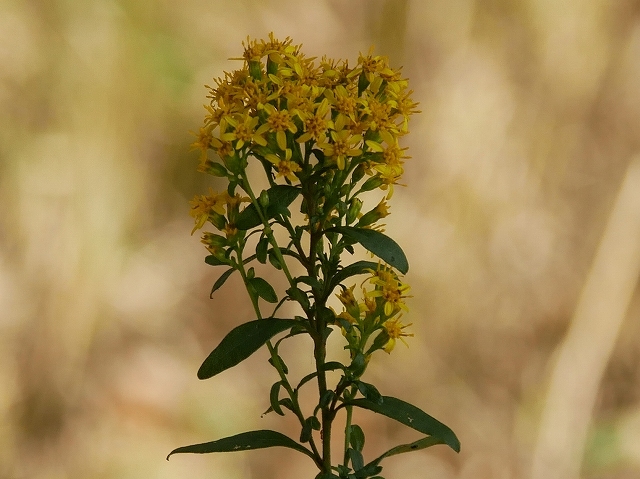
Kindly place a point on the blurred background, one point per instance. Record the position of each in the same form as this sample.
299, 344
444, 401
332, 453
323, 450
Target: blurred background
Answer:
519, 219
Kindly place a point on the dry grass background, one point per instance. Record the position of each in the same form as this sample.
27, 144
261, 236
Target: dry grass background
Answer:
531, 115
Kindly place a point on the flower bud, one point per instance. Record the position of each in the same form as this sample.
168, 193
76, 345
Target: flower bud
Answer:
355, 205
358, 173
255, 69
264, 199
234, 163
214, 169
372, 183
217, 220
380, 211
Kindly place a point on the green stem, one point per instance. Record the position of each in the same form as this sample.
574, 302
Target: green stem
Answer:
267, 230
347, 428
320, 352
276, 364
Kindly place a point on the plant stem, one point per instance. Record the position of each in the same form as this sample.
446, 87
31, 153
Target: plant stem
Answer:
347, 429
268, 231
274, 360
320, 351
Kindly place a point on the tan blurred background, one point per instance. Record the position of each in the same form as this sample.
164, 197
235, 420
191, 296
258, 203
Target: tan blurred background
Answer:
523, 241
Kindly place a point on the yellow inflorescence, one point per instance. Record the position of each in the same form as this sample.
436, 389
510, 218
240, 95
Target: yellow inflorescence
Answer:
381, 307
281, 103
279, 96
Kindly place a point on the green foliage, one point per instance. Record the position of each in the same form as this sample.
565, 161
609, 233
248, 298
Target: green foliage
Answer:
323, 135
263, 289
240, 343
221, 280
379, 244
243, 442
411, 416
280, 197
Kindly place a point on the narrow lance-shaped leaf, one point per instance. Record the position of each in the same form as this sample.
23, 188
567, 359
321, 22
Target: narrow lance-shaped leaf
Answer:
274, 397
356, 439
243, 442
403, 448
377, 243
264, 289
240, 343
280, 197
221, 280
411, 416
213, 261
330, 366
359, 267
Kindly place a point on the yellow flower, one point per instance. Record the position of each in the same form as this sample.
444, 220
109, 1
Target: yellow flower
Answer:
341, 147
279, 122
245, 132
395, 330
286, 167
390, 289
202, 206
315, 126
380, 116
203, 142
375, 64
344, 102
349, 302
254, 50
222, 148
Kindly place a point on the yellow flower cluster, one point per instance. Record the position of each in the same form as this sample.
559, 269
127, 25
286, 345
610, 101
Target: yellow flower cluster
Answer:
281, 105
221, 210
380, 309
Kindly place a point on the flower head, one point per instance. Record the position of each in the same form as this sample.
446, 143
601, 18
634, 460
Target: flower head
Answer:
389, 289
340, 115
395, 330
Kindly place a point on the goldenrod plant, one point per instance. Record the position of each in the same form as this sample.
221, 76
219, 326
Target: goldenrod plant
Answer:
323, 134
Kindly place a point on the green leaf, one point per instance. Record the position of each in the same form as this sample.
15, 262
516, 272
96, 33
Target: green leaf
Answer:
358, 365
278, 363
221, 280
356, 437
315, 423
307, 432
368, 471
243, 442
411, 416
274, 397
314, 283
363, 83
325, 399
414, 446
240, 343
369, 391
300, 296
261, 249
264, 289
327, 475
273, 259
379, 244
357, 462
280, 197
216, 169
248, 218
359, 267
330, 366
213, 261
